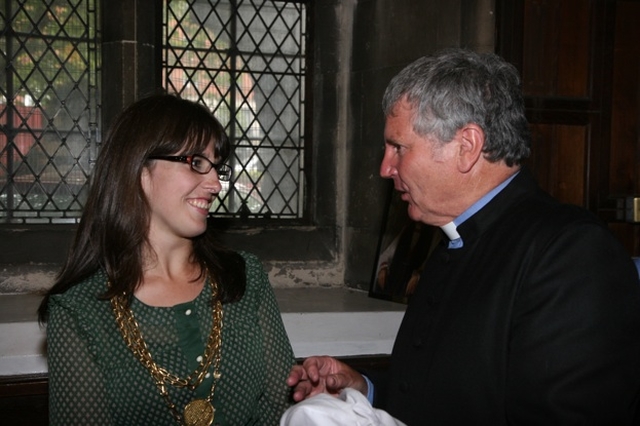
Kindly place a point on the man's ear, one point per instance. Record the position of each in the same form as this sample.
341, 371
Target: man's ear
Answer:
470, 141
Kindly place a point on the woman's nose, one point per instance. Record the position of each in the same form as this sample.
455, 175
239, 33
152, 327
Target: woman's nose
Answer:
212, 182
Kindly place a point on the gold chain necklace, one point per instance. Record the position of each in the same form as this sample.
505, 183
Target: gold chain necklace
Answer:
199, 411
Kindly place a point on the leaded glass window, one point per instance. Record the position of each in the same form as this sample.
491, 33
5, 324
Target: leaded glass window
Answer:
245, 60
48, 108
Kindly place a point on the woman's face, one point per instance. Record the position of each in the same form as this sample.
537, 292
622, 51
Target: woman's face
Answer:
179, 198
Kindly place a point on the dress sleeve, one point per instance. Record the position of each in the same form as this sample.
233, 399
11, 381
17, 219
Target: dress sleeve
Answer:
279, 356
76, 386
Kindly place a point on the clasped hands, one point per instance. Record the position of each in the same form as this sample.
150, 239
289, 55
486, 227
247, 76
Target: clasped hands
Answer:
323, 374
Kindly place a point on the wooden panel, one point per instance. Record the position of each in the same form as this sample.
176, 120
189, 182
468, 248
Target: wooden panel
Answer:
625, 116
556, 46
558, 160
24, 400
624, 170
580, 62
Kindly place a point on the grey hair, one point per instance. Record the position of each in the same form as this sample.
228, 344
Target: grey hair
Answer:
456, 87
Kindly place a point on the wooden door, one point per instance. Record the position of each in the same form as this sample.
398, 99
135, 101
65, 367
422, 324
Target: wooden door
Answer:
580, 66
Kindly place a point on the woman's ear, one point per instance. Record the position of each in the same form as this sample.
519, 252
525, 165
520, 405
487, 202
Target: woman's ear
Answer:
471, 142
145, 180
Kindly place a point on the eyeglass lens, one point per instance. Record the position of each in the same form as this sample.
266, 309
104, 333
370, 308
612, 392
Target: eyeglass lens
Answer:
203, 165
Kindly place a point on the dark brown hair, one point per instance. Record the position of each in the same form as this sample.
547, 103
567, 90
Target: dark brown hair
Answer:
112, 233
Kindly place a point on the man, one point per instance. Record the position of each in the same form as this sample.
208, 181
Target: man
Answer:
529, 310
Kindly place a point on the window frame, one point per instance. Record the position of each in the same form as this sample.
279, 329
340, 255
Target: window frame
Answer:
283, 241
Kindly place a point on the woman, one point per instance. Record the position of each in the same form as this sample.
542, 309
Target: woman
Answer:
151, 321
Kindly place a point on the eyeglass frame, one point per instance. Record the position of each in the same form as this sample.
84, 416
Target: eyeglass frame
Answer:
224, 171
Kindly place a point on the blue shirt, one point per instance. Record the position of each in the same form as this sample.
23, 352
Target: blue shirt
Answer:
455, 241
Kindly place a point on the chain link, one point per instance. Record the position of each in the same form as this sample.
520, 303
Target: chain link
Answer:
130, 330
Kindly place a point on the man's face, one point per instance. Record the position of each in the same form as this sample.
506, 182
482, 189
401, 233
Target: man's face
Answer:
422, 168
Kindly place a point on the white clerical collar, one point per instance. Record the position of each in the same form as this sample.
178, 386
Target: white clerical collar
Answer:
451, 231
455, 241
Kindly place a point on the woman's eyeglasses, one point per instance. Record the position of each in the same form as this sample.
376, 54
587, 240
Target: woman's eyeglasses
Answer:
199, 164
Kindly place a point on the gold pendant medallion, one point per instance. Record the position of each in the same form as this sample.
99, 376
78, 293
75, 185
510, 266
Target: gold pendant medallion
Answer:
199, 412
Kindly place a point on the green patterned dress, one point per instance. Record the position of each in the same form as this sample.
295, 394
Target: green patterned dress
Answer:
94, 379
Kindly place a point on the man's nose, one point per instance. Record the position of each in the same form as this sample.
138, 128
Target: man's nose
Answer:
387, 167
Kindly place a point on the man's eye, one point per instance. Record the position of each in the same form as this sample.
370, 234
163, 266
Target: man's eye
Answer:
392, 147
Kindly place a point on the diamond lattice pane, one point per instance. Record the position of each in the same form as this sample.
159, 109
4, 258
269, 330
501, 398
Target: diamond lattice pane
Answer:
48, 107
245, 60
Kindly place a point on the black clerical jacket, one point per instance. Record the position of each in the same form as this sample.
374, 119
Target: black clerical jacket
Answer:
534, 321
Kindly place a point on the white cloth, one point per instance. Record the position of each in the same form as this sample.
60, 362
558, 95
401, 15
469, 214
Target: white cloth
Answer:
350, 408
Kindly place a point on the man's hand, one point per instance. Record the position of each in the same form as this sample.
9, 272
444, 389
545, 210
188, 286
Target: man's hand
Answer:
323, 374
